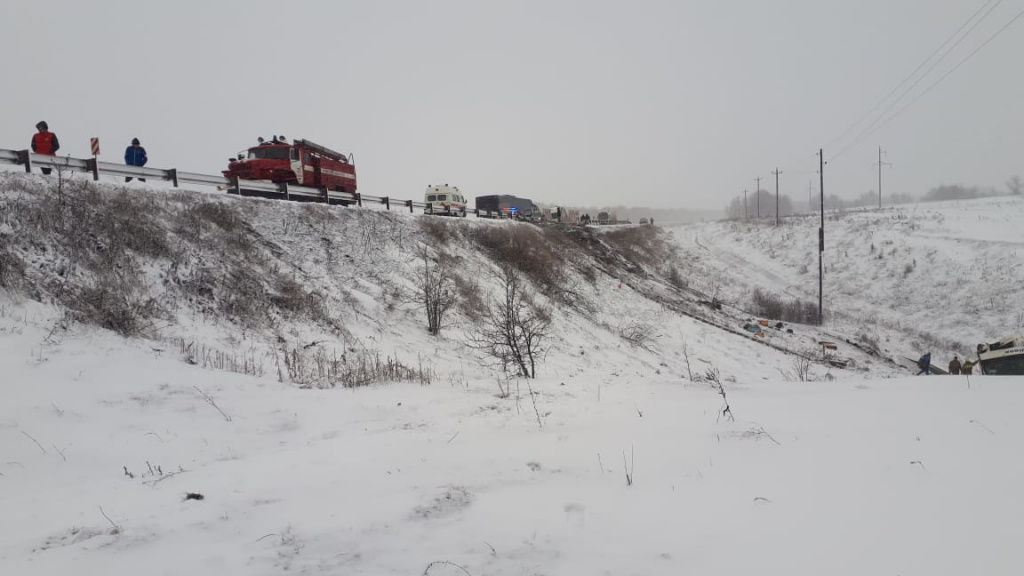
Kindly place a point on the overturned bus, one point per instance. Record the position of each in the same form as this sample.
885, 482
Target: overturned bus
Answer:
1002, 358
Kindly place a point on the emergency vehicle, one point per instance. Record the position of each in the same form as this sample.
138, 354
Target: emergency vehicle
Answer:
303, 163
444, 199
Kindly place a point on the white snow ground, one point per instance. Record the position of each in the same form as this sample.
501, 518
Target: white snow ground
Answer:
868, 472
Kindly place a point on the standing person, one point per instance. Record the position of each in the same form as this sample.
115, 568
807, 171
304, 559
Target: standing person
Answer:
967, 368
135, 155
954, 365
925, 364
45, 142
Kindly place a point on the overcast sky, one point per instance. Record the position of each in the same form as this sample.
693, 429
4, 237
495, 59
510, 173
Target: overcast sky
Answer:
673, 104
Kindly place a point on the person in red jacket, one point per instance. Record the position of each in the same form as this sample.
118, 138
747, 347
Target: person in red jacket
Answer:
45, 142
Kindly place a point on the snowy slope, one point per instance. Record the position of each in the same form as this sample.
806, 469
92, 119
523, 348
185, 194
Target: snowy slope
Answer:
942, 276
858, 472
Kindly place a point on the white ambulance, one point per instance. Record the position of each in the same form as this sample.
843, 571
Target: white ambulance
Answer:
444, 199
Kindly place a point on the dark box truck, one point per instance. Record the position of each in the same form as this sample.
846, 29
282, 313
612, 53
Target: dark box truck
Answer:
507, 206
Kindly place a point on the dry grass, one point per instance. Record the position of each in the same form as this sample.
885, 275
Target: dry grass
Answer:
353, 368
646, 246
440, 231
121, 259
527, 250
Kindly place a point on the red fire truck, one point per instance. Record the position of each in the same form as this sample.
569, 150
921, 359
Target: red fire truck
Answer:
302, 163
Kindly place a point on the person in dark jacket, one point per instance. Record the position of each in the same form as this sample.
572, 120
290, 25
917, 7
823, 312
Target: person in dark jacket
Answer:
954, 365
135, 155
925, 364
45, 142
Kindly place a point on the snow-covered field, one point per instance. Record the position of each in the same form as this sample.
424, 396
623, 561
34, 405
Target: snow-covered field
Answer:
615, 460
943, 276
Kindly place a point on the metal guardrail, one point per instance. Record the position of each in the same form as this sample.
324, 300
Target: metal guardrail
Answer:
31, 160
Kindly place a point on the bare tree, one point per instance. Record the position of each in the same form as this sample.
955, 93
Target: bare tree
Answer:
800, 370
436, 289
1015, 184
514, 327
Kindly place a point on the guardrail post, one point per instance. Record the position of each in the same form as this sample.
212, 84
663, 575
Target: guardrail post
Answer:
90, 165
282, 187
25, 158
359, 199
409, 204
234, 186
386, 201
172, 175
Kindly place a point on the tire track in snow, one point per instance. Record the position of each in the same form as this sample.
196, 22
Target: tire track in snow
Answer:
733, 260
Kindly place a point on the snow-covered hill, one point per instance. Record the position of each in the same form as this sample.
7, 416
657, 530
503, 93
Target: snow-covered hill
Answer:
941, 276
658, 438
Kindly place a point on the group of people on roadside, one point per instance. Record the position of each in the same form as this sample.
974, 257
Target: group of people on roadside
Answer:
955, 366
46, 142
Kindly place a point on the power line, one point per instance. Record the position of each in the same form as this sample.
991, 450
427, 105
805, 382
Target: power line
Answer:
924, 75
934, 84
909, 76
902, 83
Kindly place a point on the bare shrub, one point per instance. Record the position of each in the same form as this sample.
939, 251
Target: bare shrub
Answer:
869, 340
12, 268
676, 279
514, 326
640, 334
240, 295
435, 288
470, 296
112, 304
768, 305
714, 377
291, 296
799, 370
377, 231
441, 231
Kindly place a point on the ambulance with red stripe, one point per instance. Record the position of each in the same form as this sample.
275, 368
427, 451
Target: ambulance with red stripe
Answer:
444, 199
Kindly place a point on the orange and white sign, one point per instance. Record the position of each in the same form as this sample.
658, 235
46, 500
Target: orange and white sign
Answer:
94, 143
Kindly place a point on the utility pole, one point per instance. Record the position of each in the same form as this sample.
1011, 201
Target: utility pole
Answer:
821, 235
757, 193
744, 203
880, 164
776, 195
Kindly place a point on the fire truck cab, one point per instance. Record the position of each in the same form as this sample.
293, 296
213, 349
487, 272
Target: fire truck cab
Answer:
303, 163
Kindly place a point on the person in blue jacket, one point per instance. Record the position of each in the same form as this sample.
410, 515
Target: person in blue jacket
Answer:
925, 364
135, 155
